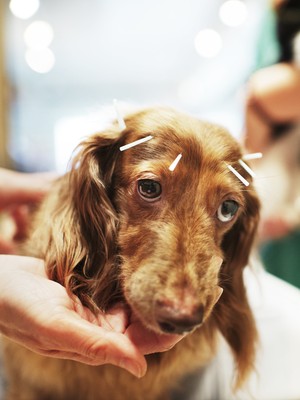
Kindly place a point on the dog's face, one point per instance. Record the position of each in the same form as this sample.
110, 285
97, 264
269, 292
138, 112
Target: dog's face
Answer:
169, 241
172, 222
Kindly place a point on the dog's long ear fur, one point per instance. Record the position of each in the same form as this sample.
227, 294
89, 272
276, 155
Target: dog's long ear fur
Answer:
81, 253
234, 317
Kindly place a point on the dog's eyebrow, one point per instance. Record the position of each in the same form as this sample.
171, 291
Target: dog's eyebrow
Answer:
135, 143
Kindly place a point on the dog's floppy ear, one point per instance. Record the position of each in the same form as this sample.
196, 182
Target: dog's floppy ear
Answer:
81, 253
234, 317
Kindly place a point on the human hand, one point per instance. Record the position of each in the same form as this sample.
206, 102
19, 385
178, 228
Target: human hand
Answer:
277, 3
19, 188
38, 314
273, 95
18, 193
274, 228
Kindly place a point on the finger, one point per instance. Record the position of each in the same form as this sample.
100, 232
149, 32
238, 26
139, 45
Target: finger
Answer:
23, 196
117, 317
22, 188
36, 345
125, 363
97, 345
73, 356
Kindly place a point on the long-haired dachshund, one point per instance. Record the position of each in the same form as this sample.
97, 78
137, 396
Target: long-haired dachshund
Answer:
165, 239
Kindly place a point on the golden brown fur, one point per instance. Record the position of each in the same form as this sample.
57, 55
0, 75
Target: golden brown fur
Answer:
105, 243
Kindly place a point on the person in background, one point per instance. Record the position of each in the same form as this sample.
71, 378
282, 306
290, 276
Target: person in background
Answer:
273, 93
272, 115
39, 314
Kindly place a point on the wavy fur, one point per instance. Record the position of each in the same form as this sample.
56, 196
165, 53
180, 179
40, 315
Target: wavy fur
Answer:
105, 244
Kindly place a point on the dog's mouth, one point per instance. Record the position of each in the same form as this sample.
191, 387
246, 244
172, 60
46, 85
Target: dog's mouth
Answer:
164, 319
176, 317
178, 328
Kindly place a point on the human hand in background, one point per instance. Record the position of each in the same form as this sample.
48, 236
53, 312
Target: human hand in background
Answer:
18, 193
271, 110
273, 96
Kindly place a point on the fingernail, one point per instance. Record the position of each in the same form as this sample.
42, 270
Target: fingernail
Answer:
134, 368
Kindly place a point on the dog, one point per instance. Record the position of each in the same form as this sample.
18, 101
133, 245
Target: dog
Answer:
131, 226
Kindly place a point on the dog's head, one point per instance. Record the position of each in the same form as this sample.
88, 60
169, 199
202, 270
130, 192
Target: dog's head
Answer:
171, 240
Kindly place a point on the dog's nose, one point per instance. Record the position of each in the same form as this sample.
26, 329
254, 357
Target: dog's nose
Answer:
172, 318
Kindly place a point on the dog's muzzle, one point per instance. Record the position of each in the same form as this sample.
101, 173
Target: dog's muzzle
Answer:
171, 318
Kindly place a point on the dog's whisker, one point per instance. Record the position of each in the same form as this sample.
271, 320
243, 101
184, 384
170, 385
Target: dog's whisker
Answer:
266, 177
252, 156
120, 119
175, 162
247, 168
238, 175
136, 143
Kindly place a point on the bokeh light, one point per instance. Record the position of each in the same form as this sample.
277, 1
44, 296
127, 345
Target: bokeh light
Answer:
24, 9
41, 61
38, 35
233, 13
208, 43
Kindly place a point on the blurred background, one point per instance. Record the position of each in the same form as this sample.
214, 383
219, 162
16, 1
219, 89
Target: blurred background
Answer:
62, 62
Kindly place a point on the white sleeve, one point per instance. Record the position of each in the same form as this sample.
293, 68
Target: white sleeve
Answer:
276, 307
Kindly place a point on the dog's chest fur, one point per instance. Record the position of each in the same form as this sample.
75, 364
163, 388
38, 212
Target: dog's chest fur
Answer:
51, 379
168, 250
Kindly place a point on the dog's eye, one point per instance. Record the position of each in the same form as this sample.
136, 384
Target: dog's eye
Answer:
149, 190
227, 210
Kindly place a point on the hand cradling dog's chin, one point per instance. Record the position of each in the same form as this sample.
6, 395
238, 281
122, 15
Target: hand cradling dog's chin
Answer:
121, 319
